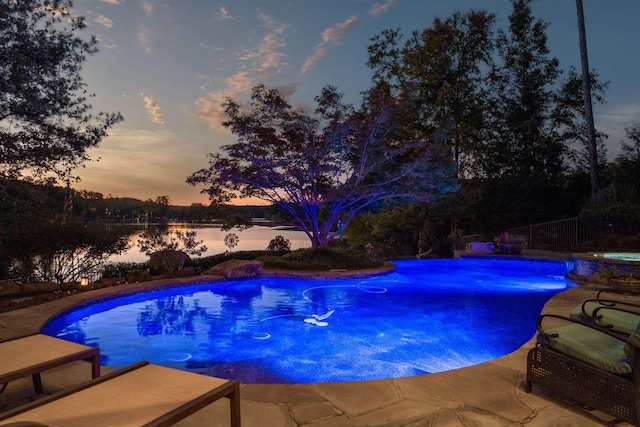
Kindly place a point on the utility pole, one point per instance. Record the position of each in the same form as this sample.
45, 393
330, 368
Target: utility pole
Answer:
586, 93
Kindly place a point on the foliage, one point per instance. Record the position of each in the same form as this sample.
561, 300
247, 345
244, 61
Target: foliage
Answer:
279, 244
569, 114
120, 269
46, 124
35, 243
323, 169
325, 259
517, 129
439, 72
403, 231
172, 247
75, 250
524, 143
624, 173
66, 252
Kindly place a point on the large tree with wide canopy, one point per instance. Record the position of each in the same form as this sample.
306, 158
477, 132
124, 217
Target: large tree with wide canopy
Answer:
322, 168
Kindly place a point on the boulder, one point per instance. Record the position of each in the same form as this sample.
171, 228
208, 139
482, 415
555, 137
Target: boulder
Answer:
187, 272
138, 276
9, 288
237, 269
167, 262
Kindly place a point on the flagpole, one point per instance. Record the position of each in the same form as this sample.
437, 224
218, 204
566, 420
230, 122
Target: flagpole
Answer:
67, 210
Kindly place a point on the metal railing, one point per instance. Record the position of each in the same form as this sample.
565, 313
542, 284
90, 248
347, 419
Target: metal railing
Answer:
562, 234
571, 232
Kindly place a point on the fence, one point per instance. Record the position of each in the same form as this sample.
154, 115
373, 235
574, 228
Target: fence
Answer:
570, 233
562, 234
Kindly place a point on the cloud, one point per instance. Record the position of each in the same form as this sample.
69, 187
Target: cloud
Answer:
112, 1
223, 14
153, 108
103, 20
330, 36
258, 65
144, 37
148, 7
380, 9
124, 175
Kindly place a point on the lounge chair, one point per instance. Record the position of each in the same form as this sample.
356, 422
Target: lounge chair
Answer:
139, 395
588, 364
619, 316
34, 354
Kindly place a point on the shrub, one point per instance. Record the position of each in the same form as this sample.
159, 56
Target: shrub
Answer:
320, 260
279, 244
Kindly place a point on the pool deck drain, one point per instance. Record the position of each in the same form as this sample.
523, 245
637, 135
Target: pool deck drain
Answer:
488, 394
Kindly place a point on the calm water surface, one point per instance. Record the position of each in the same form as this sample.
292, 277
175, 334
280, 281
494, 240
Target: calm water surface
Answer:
428, 316
254, 238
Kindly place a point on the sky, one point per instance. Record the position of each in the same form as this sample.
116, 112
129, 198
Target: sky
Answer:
168, 65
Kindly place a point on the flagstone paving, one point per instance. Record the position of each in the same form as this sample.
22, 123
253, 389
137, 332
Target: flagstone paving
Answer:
489, 394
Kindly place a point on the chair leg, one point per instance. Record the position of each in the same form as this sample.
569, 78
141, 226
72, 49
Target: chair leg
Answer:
37, 383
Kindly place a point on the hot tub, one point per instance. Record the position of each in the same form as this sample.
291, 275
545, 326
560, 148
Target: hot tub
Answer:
608, 268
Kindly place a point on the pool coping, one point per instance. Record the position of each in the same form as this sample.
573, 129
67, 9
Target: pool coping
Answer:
456, 397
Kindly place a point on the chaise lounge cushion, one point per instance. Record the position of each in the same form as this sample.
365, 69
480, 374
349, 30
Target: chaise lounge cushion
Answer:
591, 346
619, 321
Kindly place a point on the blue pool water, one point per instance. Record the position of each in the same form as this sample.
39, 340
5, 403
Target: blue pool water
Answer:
428, 316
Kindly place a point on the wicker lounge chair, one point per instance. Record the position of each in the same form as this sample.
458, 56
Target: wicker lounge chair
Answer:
34, 354
588, 364
139, 395
619, 316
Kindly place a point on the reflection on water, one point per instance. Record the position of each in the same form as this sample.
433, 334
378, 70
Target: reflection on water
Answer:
428, 316
251, 239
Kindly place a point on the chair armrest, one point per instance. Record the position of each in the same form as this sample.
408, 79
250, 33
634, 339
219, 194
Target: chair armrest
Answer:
615, 292
546, 336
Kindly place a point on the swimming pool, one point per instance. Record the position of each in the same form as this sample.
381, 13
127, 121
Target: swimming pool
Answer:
428, 316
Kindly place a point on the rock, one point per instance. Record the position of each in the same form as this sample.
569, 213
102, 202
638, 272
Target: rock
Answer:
39, 287
138, 276
237, 269
9, 288
187, 272
167, 262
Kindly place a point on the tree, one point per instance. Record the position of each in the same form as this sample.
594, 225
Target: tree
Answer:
324, 168
570, 118
524, 145
625, 171
36, 244
46, 124
588, 108
171, 247
75, 249
440, 72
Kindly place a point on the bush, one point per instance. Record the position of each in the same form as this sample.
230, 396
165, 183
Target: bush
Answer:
320, 260
120, 269
279, 244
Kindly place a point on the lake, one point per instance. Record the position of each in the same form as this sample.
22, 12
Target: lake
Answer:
254, 238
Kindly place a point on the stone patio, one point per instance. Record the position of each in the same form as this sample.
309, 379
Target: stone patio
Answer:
489, 394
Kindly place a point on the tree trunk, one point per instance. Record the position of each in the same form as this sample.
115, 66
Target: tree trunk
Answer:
586, 93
